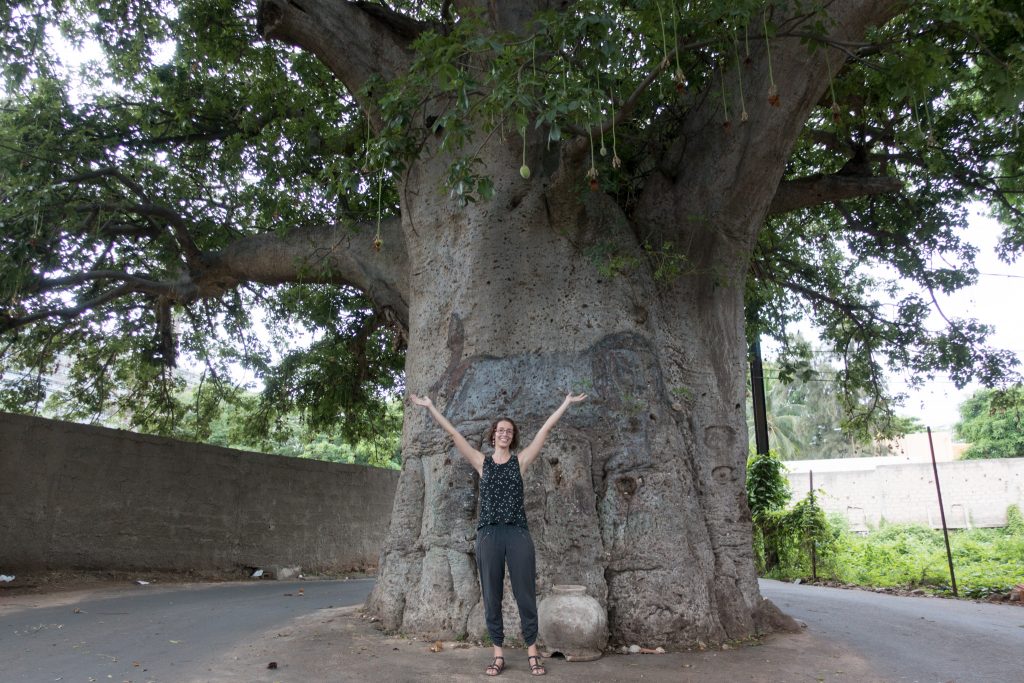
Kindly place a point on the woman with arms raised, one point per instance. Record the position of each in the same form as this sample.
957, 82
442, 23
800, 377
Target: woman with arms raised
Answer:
502, 535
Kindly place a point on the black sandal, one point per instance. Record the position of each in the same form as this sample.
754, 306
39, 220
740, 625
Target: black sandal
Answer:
536, 668
495, 667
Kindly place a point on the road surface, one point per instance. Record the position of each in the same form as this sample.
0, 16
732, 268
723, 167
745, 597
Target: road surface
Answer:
176, 633
913, 638
165, 634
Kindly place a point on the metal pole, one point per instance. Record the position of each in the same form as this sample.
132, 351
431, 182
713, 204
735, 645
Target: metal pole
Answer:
942, 513
814, 553
758, 399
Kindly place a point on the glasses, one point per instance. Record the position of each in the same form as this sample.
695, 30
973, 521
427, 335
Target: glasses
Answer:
504, 431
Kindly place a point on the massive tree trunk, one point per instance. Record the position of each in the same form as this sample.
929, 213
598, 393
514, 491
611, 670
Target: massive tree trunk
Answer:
639, 492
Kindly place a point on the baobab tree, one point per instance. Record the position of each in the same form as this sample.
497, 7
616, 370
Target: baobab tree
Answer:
517, 199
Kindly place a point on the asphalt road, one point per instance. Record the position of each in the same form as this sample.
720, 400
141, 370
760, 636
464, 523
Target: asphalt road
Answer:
173, 633
149, 633
929, 640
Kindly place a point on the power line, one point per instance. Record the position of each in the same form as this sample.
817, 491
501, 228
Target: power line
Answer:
1016, 277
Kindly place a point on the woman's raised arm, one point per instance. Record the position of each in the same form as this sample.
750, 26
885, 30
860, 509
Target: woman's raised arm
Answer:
529, 454
475, 457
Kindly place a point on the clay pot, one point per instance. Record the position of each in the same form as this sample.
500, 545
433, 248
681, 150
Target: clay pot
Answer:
572, 623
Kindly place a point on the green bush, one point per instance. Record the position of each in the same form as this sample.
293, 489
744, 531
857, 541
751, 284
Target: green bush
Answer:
1014, 521
767, 486
905, 555
784, 538
803, 541
894, 555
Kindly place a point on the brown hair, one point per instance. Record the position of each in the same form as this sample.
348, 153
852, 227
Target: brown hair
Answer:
515, 432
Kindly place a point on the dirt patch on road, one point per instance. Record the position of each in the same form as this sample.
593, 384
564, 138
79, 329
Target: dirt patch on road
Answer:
342, 645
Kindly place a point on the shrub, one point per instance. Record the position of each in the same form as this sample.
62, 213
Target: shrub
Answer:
1014, 521
784, 539
986, 561
904, 555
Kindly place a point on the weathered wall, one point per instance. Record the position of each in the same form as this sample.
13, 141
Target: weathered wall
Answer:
89, 497
975, 493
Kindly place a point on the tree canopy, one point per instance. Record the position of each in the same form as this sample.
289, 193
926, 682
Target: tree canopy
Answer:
990, 421
142, 190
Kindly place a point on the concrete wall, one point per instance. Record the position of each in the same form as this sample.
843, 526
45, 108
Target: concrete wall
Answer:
89, 497
975, 493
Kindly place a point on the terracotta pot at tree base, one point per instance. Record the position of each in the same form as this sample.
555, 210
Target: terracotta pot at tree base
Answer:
572, 623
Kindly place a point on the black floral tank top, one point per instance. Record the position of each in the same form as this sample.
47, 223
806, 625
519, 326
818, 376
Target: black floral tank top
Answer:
501, 493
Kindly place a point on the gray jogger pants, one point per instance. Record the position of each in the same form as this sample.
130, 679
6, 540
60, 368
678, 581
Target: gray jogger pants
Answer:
496, 545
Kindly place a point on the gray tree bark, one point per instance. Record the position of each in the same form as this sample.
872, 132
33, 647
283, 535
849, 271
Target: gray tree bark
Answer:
639, 492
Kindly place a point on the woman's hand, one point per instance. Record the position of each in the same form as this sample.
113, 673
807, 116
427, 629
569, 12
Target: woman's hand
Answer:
528, 454
421, 400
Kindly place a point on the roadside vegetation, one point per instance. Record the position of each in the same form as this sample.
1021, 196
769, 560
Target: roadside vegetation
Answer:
898, 556
991, 421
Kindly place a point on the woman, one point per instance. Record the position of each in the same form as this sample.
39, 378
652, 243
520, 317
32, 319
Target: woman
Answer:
501, 533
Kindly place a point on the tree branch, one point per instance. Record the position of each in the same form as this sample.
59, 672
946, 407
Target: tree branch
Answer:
830, 141
510, 17
179, 226
355, 40
848, 308
741, 143
329, 254
132, 285
802, 193
139, 284
625, 109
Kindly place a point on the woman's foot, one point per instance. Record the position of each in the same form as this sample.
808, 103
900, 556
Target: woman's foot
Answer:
495, 667
536, 668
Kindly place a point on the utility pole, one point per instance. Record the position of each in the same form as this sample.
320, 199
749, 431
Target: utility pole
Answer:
757, 396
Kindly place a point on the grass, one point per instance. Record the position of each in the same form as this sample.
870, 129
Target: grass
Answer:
910, 556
